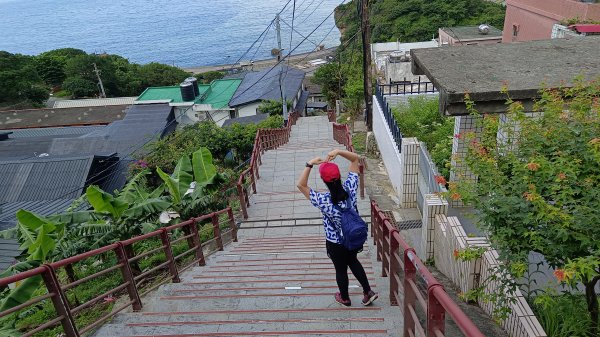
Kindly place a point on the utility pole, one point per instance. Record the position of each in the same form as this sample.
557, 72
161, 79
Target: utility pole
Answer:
281, 83
102, 93
366, 44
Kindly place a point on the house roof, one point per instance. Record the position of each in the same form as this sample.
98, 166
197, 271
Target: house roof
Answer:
43, 178
9, 249
38, 118
586, 27
482, 71
53, 131
254, 119
472, 33
264, 85
95, 102
218, 93
40, 207
141, 124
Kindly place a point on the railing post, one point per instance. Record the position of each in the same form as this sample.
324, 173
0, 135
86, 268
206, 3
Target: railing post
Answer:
217, 230
232, 225
164, 237
60, 302
410, 273
128, 277
436, 315
394, 269
197, 243
372, 218
242, 200
385, 263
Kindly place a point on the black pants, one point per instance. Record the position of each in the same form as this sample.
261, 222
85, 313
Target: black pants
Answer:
342, 259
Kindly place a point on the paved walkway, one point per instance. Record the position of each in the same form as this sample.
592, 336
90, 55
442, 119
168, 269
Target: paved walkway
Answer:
277, 280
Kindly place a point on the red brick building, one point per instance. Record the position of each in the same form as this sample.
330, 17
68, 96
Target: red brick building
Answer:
528, 20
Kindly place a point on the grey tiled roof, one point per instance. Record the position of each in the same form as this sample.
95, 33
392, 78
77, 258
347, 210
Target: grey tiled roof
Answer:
264, 85
41, 207
9, 249
141, 124
43, 178
50, 132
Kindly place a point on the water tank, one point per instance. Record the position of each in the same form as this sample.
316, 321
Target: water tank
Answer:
194, 81
187, 91
484, 29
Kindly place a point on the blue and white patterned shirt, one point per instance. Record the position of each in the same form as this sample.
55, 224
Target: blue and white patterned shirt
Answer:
323, 202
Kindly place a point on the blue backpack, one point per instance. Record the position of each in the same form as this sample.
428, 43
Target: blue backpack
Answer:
354, 228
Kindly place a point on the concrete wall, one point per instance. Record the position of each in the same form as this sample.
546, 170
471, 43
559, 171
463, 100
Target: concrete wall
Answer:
248, 109
468, 275
534, 19
446, 39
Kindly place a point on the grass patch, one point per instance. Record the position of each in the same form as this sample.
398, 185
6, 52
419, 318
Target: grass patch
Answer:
563, 315
359, 141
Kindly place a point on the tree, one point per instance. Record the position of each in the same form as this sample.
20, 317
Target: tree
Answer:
80, 87
210, 76
19, 80
273, 107
332, 79
538, 191
51, 69
157, 74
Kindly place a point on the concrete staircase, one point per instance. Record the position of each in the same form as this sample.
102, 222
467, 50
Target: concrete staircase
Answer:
277, 280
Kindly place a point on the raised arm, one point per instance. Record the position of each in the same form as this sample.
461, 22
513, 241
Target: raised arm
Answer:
350, 156
303, 179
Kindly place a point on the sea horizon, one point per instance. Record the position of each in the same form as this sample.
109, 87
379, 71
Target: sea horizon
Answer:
186, 35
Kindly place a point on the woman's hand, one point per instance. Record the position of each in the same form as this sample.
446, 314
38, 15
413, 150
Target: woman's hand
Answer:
316, 161
332, 154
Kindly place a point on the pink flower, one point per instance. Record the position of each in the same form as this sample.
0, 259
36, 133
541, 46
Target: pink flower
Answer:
533, 166
109, 299
458, 136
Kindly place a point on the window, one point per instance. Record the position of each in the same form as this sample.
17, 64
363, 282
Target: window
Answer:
232, 114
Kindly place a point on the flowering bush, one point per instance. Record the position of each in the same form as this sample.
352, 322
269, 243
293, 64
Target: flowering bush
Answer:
537, 188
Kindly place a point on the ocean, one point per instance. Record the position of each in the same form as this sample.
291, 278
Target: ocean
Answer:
181, 33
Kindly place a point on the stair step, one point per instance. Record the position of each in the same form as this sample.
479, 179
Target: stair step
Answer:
281, 328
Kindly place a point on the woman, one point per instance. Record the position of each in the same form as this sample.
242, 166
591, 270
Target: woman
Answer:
338, 193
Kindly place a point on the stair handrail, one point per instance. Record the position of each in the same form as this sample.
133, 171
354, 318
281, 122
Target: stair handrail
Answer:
342, 135
400, 262
265, 139
126, 258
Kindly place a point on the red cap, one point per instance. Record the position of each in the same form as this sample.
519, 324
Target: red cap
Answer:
329, 172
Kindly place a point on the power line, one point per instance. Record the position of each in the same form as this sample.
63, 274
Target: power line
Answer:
314, 10
289, 54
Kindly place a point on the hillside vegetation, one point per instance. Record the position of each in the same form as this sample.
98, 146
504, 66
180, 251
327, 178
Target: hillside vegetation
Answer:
418, 20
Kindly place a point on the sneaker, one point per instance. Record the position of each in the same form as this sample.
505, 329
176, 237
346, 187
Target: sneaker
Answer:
338, 298
369, 297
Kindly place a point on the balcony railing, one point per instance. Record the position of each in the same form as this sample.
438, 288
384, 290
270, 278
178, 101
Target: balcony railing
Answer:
406, 87
389, 118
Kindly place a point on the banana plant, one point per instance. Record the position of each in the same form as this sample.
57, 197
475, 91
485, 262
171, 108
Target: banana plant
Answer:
37, 236
194, 183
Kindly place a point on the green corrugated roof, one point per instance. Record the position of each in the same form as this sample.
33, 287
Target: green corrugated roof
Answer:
218, 93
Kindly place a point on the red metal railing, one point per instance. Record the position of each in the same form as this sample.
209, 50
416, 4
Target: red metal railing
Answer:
331, 115
131, 283
342, 135
266, 139
406, 271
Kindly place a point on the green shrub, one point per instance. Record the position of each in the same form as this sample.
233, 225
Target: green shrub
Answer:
420, 118
562, 316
